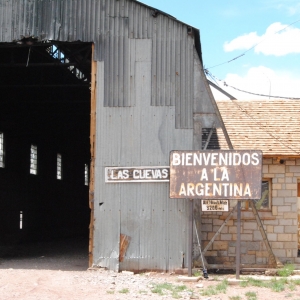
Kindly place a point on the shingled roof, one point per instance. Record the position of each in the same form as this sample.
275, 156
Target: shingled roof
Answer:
272, 126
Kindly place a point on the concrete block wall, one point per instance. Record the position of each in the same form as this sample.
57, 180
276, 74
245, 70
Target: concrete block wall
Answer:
280, 222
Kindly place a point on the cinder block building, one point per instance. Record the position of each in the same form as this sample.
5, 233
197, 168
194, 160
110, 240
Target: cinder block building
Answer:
273, 127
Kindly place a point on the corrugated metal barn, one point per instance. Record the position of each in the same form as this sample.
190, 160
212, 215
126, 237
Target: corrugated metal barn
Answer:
90, 84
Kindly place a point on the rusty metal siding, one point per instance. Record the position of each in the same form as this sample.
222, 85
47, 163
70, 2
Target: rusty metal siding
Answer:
137, 136
111, 24
145, 95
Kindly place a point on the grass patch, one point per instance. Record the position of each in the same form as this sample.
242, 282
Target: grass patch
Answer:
124, 291
277, 285
197, 273
291, 285
168, 288
251, 296
253, 282
296, 281
235, 298
110, 292
216, 289
286, 271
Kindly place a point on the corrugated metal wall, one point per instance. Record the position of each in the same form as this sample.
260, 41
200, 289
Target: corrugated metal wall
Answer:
147, 93
110, 24
138, 136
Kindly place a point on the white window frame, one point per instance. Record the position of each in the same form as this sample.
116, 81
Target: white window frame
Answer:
33, 160
86, 174
261, 206
59, 174
2, 152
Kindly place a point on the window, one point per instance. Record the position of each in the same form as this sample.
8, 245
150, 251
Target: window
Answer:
21, 219
33, 160
298, 188
265, 200
1, 150
264, 203
86, 174
59, 167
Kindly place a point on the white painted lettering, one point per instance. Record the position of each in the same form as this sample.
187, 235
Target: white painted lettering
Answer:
255, 160
215, 175
188, 159
182, 191
217, 189
207, 189
223, 158
135, 174
213, 159
238, 190
176, 159
112, 175
225, 175
197, 159
125, 174
225, 185
236, 159
182, 159
206, 158
164, 173
247, 190
198, 191
246, 159
204, 175
190, 189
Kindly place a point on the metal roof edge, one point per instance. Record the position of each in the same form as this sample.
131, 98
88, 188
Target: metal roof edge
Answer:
196, 31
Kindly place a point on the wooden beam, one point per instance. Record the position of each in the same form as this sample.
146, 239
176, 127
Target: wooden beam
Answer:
274, 260
93, 155
219, 230
221, 90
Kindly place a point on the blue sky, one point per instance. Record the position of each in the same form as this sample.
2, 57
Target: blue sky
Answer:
229, 28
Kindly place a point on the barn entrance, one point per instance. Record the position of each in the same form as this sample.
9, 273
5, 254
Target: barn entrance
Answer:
44, 141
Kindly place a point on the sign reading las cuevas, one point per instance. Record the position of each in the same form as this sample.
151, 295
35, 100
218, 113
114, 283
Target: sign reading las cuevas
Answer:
216, 174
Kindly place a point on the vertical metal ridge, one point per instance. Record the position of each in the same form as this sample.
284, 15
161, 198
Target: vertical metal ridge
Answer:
108, 24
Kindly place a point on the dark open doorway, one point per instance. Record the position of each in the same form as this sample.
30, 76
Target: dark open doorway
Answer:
44, 141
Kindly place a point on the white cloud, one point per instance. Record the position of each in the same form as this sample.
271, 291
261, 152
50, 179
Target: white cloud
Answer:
294, 9
291, 7
278, 40
260, 80
242, 42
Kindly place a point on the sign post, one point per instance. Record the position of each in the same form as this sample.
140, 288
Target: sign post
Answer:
215, 175
238, 242
190, 250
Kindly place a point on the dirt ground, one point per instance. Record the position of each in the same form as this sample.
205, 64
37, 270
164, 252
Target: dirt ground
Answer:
59, 270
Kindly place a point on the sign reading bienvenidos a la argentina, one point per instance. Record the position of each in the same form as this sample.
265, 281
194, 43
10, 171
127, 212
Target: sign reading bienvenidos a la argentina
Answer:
216, 174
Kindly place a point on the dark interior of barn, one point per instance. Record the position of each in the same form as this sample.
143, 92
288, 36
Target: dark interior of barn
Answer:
44, 141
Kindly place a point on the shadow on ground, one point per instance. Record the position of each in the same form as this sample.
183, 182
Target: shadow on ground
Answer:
69, 254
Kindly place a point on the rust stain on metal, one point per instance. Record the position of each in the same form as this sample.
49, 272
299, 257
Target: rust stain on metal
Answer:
93, 156
124, 243
211, 174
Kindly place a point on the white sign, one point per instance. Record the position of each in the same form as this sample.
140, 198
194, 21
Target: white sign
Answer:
215, 205
137, 174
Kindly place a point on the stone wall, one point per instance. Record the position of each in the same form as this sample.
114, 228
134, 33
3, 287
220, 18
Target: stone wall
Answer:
280, 222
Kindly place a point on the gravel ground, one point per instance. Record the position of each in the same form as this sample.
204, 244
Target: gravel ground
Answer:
58, 270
